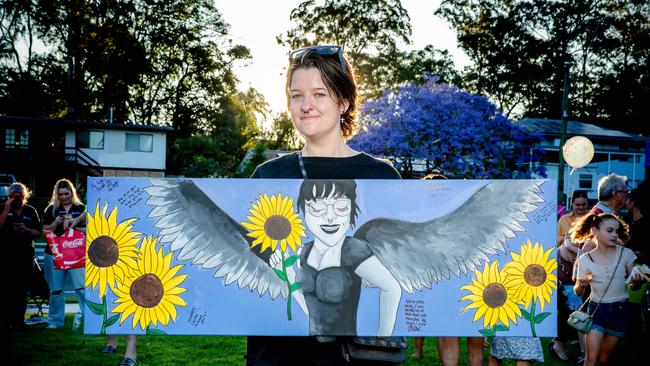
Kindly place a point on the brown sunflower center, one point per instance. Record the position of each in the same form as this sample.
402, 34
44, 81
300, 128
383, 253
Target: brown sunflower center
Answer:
277, 227
103, 251
495, 295
147, 291
535, 275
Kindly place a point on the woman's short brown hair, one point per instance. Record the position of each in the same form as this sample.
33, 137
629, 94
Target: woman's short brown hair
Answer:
340, 83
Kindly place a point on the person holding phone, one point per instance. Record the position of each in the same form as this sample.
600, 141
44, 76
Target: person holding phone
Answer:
19, 226
64, 212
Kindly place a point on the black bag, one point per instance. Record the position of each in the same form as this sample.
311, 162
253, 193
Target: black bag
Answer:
374, 350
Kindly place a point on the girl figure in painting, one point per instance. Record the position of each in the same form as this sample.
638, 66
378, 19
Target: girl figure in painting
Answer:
334, 265
322, 100
604, 270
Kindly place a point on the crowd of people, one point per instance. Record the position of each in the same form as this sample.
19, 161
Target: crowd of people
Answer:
20, 225
597, 253
596, 257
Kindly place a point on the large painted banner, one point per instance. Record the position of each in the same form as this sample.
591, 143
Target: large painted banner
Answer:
294, 257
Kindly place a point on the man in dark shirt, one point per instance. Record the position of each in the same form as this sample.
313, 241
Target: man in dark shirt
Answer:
19, 226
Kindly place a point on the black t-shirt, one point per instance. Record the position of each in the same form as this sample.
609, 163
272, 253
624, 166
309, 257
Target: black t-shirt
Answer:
360, 166
49, 217
17, 244
282, 350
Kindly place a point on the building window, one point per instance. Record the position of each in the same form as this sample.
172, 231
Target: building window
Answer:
16, 139
586, 181
90, 139
10, 137
139, 142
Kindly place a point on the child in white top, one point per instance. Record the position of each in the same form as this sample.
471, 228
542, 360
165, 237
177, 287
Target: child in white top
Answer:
609, 260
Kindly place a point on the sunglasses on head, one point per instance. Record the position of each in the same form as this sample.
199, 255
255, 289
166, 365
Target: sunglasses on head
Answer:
321, 50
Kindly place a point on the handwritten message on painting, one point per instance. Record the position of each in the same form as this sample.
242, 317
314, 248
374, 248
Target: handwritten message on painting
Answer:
415, 315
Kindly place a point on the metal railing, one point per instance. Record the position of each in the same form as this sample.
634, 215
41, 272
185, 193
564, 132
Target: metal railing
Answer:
80, 157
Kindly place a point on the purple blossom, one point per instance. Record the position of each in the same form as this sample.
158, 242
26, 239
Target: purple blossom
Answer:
438, 127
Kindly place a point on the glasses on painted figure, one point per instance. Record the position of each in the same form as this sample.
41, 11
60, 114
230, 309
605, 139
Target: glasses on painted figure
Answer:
319, 208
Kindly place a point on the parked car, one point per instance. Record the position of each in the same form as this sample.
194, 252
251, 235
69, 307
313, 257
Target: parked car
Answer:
5, 181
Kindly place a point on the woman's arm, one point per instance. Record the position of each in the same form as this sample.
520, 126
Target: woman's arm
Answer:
57, 221
372, 270
74, 223
583, 278
568, 251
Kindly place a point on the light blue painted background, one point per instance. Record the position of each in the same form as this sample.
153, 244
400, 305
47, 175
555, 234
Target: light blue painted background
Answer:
228, 310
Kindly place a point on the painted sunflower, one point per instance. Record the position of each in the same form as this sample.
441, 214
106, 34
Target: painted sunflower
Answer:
110, 249
273, 221
493, 296
532, 273
151, 291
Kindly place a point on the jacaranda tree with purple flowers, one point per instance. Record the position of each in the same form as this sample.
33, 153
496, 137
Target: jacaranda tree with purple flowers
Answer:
434, 127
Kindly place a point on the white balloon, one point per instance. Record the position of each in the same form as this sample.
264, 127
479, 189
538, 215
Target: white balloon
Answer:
578, 151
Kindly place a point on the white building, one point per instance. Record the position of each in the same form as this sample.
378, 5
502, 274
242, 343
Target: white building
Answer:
615, 152
38, 151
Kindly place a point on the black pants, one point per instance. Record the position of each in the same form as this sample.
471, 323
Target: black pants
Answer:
564, 331
280, 351
17, 281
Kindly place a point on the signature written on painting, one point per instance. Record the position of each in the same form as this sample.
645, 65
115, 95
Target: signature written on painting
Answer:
105, 184
196, 318
415, 315
544, 213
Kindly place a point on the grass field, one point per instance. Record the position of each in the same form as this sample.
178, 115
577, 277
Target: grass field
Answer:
41, 346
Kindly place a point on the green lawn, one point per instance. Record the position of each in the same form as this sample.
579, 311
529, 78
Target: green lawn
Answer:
41, 346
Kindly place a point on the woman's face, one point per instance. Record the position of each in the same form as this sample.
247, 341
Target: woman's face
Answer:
64, 195
314, 111
328, 218
579, 206
607, 232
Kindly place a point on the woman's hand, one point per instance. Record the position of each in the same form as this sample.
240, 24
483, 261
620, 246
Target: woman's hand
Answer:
69, 222
568, 251
7, 206
58, 220
584, 281
276, 263
276, 259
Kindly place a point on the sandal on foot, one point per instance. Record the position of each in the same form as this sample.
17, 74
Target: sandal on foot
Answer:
128, 362
109, 349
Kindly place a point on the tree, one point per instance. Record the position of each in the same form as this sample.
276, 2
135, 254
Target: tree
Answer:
397, 68
366, 29
448, 131
152, 61
282, 135
518, 49
358, 26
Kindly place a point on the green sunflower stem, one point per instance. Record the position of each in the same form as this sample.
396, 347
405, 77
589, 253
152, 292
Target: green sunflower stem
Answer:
532, 319
286, 280
103, 331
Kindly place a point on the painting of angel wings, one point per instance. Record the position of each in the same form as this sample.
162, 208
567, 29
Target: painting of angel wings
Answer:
308, 247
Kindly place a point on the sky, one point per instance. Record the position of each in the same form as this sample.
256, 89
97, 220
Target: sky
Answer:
256, 23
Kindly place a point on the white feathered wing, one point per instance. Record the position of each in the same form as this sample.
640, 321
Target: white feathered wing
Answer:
202, 232
420, 254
